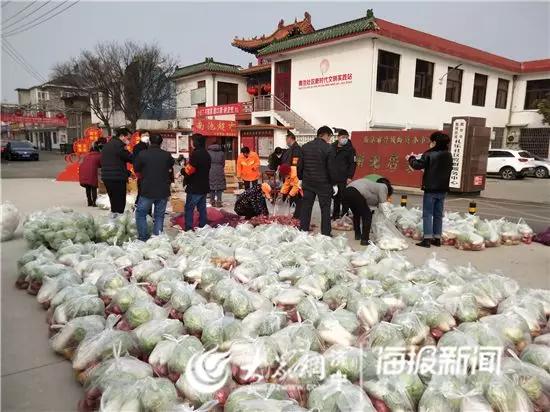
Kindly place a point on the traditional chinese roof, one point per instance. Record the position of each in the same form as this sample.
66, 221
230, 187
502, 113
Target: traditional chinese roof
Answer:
260, 68
281, 33
208, 65
383, 28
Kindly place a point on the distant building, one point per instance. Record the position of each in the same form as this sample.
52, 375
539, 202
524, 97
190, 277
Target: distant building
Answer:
65, 114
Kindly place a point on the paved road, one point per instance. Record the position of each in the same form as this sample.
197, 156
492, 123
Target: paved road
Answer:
49, 165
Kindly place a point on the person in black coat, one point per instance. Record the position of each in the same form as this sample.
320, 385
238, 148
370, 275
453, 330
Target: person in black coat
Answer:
437, 163
156, 169
274, 159
343, 168
217, 174
142, 145
196, 177
315, 173
114, 172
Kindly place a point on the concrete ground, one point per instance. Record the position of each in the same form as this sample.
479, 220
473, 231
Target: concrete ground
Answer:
49, 165
34, 379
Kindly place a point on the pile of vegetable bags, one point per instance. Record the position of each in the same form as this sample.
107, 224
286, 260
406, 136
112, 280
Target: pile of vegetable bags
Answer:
104, 203
464, 231
267, 304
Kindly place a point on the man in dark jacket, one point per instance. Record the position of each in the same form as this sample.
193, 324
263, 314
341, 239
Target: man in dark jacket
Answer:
156, 168
274, 159
343, 168
437, 163
314, 172
114, 171
138, 148
292, 157
196, 177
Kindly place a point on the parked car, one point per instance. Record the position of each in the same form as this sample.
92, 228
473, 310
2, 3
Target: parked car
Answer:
542, 167
21, 150
510, 164
3, 145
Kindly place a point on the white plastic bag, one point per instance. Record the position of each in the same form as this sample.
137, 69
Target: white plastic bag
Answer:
385, 235
9, 220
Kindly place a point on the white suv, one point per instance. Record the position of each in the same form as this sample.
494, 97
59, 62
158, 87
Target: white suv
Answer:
510, 164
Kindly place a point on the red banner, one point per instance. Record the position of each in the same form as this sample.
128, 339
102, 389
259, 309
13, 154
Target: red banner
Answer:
209, 127
33, 120
233, 108
384, 152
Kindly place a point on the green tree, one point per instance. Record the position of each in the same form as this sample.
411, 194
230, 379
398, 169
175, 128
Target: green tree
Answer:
543, 107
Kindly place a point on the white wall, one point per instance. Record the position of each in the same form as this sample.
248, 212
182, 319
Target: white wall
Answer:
520, 116
350, 105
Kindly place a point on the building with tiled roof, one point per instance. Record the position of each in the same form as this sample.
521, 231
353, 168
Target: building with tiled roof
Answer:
208, 65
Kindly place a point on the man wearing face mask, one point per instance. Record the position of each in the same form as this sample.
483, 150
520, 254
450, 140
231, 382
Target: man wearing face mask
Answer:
343, 168
142, 145
114, 172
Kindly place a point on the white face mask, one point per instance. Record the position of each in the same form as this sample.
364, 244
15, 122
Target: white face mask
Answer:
145, 138
343, 141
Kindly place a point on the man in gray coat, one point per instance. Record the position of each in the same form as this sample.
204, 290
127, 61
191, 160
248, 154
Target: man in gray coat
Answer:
362, 196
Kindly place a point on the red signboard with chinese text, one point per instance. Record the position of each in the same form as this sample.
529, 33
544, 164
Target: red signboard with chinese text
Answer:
233, 108
384, 152
210, 127
33, 120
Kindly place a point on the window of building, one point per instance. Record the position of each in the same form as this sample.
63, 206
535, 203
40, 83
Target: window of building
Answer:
201, 83
387, 78
454, 85
502, 94
536, 90
227, 93
42, 95
423, 79
480, 90
54, 137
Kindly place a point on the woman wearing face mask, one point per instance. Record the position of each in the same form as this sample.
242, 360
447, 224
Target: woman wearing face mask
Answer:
114, 171
343, 168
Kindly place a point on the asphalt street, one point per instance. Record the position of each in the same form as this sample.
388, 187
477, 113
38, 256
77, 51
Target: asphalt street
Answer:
49, 165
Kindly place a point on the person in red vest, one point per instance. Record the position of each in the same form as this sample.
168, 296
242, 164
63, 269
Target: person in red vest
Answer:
87, 173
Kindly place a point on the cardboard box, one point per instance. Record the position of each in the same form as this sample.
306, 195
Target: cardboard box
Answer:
177, 203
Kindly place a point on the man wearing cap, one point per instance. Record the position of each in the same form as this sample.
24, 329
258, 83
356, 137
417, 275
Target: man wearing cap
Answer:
314, 170
343, 165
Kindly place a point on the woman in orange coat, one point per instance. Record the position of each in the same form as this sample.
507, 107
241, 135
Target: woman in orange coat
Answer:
248, 167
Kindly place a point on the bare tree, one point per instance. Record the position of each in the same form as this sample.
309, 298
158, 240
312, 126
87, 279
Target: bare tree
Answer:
135, 77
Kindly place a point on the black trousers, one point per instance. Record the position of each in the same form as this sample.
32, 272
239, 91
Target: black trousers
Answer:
297, 201
308, 200
362, 215
249, 183
116, 189
339, 200
91, 194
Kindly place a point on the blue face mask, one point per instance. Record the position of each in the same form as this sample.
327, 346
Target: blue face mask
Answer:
343, 140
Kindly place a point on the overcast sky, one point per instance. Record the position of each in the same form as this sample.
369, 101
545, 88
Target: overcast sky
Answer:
192, 31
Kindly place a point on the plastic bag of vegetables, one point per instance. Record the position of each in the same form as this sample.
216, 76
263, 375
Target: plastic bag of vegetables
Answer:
241, 302
76, 307
338, 327
109, 283
299, 336
68, 293
41, 252
337, 394
448, 393
512, 327
100, 346
509, 233
158, 358
186, 347
112, 372
23, 277
490, 232
144, 269
413, 329
505, 396
38, 272
529, 308
139, 312
150, 333
385, 334
183, 297
69, 336
147, 394
51, 286
9, 220
469, 240
254, 391
396, 393
125, 297
369, 256
485, 335
263, 323
310, 309
538, 355
197, 316
253, 359
352, 362
369, 310
221, 332
313, 285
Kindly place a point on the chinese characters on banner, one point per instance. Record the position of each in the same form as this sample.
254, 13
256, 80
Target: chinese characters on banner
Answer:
383, 153
33, 120
233, 108
457, 150
346, 78
210, 127
259, 139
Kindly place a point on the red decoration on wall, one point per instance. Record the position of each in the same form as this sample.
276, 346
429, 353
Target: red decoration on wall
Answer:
253, 90
266, 88
80, 148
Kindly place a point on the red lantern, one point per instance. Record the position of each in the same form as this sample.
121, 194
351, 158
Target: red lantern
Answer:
253, 90
266, 88
60, 115
19, 112
41, 114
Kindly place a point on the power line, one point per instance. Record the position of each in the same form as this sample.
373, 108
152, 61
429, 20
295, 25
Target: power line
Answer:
19, 12
12, 52
12, 33
13, 23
